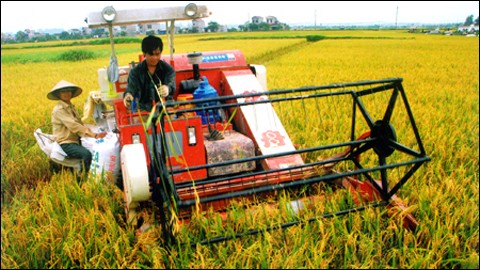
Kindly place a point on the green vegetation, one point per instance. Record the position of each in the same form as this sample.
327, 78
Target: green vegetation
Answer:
310, 38
61, 51
76, 55
70, 55
101, 41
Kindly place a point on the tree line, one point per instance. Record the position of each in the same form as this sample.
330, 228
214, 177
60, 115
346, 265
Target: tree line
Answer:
22, 36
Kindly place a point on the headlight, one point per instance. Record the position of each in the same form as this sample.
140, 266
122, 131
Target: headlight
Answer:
191, 10
109, 14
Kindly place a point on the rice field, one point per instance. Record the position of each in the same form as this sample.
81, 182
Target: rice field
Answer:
49, 220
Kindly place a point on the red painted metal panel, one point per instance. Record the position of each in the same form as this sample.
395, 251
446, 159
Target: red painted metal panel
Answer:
185, 156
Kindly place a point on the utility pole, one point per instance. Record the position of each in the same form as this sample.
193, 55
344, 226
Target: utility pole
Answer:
315, 20
396, 19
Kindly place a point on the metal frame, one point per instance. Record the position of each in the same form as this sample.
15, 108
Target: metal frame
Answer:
382, 141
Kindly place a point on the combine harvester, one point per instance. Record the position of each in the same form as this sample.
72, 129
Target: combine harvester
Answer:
226, 138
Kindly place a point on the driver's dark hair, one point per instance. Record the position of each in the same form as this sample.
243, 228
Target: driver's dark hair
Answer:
151, 43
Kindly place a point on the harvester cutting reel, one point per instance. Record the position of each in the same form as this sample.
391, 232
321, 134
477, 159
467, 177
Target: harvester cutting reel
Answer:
291, 139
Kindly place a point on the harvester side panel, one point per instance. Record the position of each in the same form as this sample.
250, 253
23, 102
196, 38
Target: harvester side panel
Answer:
185, 154
181, 153
261, 122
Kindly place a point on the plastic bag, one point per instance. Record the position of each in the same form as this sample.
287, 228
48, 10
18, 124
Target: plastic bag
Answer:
54, 151
57, 152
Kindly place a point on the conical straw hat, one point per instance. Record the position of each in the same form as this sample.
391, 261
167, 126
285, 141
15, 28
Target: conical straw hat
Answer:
53, 94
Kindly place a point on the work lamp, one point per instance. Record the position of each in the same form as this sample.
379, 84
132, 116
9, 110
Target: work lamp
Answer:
109, 14
191, 10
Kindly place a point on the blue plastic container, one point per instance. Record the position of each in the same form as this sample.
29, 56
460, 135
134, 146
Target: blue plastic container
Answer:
205, 90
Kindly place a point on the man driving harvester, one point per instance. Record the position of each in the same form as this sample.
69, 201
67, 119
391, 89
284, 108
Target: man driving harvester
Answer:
150, 78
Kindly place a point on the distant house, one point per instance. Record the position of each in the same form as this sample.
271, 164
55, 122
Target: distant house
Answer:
74, 31
468, 29
7, 36
86, 30
157, 28
257, 19
199, 24
272, 20
436, 31
222, 28
30, 33
140, 29
130, 29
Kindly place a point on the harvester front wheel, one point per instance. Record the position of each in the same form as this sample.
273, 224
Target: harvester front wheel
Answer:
135, 178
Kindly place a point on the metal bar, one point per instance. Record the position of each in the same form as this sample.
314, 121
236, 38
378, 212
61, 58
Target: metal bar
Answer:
286, 153
404, 149
213, 100
287, 225
377, 89
296, 183
354, 117
363, 110
383, 176
391, 105
405, 178
188, 184
146, 16
160, 192
412, 120
290, 91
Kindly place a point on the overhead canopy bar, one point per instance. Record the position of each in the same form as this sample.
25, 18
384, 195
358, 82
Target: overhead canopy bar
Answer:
146, 16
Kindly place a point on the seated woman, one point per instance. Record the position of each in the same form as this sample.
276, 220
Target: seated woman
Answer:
68, 127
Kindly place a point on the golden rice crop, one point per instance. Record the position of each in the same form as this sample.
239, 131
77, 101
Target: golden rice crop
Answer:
49, 220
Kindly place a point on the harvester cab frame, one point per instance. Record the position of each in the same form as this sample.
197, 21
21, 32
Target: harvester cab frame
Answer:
225, 137
109, 17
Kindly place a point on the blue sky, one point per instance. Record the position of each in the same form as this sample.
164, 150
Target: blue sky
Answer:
21, 15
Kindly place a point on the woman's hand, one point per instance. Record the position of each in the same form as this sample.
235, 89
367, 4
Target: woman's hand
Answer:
100, 135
